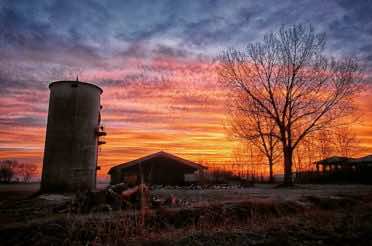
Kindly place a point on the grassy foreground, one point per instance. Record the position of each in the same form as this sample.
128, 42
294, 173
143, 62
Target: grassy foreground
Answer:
308, 220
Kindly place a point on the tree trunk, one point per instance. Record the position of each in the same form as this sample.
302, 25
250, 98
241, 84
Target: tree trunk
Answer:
271, 180
288, 166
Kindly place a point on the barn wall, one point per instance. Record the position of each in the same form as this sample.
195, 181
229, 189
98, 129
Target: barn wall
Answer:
115, 176
160, 171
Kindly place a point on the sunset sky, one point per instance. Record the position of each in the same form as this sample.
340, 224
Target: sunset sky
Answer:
155, 61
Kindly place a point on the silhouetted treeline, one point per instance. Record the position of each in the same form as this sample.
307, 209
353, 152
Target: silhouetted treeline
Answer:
222, 176
13, 171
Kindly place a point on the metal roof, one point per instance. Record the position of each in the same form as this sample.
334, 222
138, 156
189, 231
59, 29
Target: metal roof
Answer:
334, 160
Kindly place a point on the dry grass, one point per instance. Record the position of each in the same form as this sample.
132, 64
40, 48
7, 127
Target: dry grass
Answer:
306, 220
320, 221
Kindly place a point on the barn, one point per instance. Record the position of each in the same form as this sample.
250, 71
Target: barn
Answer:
160, 168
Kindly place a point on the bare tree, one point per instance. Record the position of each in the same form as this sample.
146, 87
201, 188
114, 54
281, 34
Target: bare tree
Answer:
346, 141
324, 140
258, 132
247, 159
286, 80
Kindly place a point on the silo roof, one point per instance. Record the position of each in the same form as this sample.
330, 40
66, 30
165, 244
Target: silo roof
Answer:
74, 82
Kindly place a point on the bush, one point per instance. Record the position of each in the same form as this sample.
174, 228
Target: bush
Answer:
7, 170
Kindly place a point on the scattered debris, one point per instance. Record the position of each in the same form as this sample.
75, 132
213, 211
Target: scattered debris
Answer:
202, 187
114, 197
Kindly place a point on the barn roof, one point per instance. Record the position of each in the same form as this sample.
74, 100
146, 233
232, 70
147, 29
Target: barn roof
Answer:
363, 160
157, 154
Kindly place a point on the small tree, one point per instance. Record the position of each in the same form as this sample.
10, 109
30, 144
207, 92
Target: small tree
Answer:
325, 143
7, 170
259, 133
346, 141
287, 81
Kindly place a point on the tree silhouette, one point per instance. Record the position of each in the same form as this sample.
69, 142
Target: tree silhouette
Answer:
259, 132
285, 80
7, 170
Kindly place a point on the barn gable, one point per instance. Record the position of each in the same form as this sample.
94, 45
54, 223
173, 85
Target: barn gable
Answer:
159, 168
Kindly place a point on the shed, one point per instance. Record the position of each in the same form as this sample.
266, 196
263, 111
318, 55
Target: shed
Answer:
344, 163
333, 163
160, 168
344, 169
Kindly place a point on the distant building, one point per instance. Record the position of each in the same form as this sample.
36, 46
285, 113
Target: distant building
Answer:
336, 163
339, 169
160, 168
333, 163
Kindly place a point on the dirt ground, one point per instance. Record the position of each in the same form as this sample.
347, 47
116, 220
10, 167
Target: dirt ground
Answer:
217, 194
22, 190
263, 192
260, 215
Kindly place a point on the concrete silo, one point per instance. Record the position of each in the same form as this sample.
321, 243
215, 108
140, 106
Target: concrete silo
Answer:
72, 137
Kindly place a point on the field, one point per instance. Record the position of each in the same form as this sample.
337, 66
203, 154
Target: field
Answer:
260, 215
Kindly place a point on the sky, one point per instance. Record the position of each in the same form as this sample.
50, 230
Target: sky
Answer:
155, 61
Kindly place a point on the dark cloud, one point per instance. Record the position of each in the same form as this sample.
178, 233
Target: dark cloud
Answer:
35, 35
89, 33
19, 31
358, 13
151, 31
167, 51
22, 121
